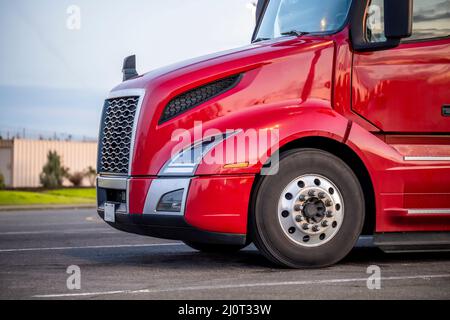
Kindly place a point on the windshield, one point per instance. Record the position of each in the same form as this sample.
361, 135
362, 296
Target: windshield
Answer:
287, 17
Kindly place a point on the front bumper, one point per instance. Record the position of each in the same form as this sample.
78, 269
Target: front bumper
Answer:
171, 227
214, 209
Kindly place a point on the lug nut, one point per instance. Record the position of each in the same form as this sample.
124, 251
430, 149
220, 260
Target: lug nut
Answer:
305, 226
315, 228
328, 203
324, 223
302, 198
321, 195
298, 207
329, 214
299, 218
311, 193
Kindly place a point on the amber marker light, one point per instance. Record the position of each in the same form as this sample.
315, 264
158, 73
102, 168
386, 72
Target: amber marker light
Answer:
236, 165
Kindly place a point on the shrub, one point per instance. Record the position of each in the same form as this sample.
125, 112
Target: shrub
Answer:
76, 179
53, 173
2, 182
91, 174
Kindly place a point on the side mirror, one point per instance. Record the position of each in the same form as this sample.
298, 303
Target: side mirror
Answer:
396, 25
398, 18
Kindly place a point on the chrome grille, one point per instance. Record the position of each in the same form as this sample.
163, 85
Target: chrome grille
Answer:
116, 134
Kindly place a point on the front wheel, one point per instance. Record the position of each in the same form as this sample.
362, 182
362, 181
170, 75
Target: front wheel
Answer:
309, 214
214, 248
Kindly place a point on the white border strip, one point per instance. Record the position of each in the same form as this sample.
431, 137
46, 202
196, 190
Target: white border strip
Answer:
423, 158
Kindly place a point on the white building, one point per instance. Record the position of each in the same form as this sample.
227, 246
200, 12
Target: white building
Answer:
21, 161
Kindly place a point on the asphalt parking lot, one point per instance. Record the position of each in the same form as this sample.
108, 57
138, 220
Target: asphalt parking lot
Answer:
37, 247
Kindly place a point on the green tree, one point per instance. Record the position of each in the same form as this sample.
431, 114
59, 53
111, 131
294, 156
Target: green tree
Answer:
91, 174
53, 172
2, 182
76, 179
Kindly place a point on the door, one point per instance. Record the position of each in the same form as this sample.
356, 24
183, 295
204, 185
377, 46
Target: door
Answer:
407, 89
405, 92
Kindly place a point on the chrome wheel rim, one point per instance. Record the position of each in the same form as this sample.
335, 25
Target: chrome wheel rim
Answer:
311, 210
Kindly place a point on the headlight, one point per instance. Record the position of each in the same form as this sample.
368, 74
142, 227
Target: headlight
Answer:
187, 161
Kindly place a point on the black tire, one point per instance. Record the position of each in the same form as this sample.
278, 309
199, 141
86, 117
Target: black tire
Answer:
266, 230
214, 248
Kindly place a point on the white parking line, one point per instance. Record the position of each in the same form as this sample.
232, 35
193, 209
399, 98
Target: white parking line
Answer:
92, 247
238, 286
84, 230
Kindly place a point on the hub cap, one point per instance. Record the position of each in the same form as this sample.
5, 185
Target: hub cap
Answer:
311, 210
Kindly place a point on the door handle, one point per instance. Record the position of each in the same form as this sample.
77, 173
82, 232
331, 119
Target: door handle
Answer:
446, 110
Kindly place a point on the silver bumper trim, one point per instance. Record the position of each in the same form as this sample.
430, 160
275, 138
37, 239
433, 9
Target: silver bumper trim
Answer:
160, 187
115, 183
112, 183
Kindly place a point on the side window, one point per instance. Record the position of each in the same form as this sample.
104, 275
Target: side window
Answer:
375, 21
431, 19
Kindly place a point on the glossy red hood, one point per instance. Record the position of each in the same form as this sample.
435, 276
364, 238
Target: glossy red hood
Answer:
273, 72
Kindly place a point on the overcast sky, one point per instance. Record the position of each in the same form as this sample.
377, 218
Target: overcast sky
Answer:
55, 76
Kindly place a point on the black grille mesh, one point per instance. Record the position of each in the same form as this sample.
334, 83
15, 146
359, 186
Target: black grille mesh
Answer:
117, 133
197, 96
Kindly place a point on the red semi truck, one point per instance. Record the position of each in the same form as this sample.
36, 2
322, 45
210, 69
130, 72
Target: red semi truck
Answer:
357, 94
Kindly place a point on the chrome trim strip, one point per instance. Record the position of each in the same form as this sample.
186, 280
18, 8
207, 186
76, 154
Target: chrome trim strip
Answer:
130, 93
426, 158
160, 187
112, 183
127, 194
126, 93
96, 192
428, 211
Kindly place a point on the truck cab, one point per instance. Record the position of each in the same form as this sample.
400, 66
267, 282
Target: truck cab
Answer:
333, 123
